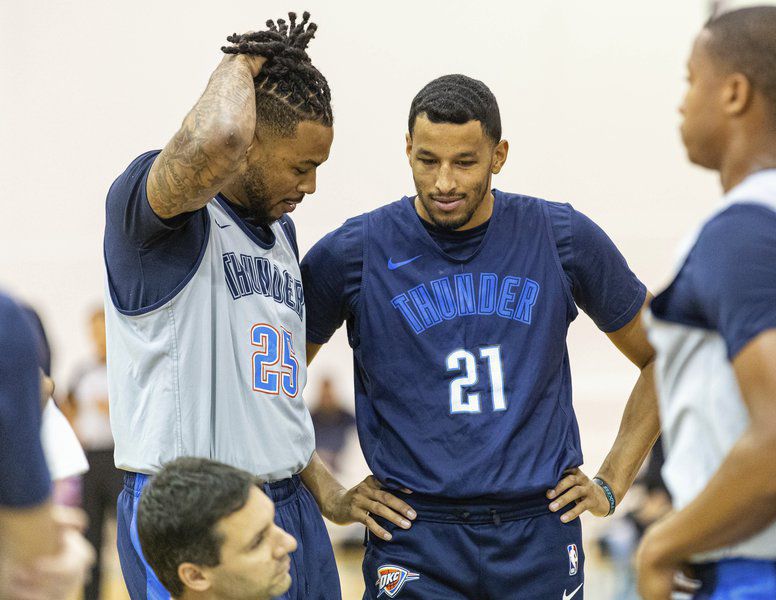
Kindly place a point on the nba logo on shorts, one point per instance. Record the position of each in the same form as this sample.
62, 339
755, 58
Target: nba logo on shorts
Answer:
573, 558
391, 579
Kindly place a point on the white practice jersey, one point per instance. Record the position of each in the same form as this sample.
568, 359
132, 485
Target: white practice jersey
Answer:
716, 303
216, 370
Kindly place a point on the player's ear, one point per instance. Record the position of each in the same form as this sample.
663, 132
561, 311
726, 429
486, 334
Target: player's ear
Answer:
499, 156
737, 94
408, 140
193, 577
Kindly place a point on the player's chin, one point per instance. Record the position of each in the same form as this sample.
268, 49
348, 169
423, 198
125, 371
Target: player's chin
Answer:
281, 584
698, 156
452, 220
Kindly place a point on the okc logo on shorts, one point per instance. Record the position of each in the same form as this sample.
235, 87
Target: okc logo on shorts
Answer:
391, 579
573, 558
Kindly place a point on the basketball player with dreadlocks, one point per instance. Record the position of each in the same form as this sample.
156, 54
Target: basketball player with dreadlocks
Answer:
204, 306
457, 301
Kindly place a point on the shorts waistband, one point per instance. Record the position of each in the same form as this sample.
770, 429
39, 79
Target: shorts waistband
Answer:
283, 490
278, 491
710, 574
445, 510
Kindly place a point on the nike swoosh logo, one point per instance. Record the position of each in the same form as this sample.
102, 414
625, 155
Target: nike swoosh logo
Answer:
222, 226
572, 594
393, 266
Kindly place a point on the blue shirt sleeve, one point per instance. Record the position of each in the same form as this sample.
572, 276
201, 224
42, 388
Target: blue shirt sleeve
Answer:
24, 476
601, 282
147, 257
331, 276
735, 273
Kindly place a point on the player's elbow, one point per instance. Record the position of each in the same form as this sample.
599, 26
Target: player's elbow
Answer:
229, 139
221, 137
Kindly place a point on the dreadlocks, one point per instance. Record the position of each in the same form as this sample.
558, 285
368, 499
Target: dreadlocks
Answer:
289, 89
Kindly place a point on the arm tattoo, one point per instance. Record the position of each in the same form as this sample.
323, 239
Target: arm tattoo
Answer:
207, 149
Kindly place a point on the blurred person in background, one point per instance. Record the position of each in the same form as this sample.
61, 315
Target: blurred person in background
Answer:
714, 330
333, 424
42, 554
41, 340
87, 408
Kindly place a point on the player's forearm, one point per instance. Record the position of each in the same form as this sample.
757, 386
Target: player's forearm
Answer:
639, 428
737, 502
226, 111
322, 484
207, 150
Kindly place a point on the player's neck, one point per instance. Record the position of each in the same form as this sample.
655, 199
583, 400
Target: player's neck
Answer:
234, 194
746, 155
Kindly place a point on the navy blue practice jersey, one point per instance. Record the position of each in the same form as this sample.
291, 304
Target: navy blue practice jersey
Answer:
463, 386
24, 475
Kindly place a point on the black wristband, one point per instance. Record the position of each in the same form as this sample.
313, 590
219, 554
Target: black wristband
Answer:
609, 494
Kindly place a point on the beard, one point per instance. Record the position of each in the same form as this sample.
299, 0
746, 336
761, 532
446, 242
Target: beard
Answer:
459, 218
257, 197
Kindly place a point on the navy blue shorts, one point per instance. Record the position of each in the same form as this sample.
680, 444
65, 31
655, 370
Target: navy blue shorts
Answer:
313, 570
737, 579
485, 551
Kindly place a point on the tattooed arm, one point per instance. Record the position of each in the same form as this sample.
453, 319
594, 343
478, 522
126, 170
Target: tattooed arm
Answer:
210, 145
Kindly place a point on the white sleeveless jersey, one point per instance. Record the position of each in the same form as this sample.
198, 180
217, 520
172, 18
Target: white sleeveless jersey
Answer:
217, 369
701, 410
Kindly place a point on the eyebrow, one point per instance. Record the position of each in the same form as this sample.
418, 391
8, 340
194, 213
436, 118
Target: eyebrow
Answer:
460, 155
311, 162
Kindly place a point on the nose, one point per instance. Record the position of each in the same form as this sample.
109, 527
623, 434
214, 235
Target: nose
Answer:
308, 184
445, 182
286, 543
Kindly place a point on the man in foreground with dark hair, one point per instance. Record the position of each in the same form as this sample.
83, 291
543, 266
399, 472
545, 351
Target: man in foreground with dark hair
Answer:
207, 530
714, 331
204, 305
458, 302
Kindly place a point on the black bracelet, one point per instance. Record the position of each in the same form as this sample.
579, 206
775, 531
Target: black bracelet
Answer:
609, 494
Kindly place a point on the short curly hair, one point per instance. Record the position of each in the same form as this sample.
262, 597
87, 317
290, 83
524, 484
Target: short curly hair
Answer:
457, 99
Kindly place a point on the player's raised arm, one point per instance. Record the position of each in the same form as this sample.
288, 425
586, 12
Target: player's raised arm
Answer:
207, 150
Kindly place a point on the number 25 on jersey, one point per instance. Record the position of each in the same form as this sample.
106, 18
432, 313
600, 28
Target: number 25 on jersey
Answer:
274, 363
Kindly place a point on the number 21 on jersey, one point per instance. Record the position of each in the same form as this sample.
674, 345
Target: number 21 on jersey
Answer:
274, 363
465, 362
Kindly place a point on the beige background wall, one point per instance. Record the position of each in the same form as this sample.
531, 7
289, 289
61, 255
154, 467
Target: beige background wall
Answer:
588, 94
